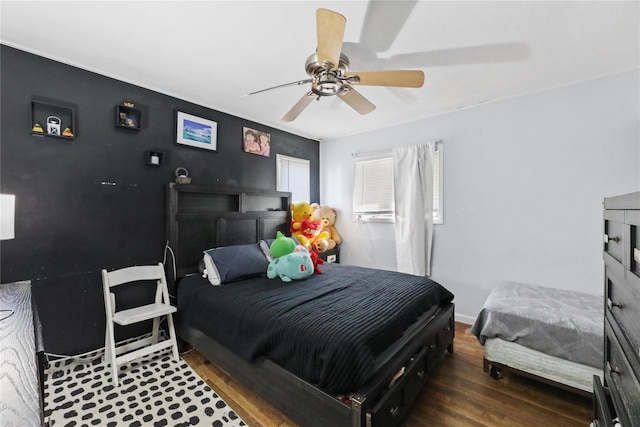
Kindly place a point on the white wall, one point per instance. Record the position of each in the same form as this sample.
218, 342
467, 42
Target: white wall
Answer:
524, 180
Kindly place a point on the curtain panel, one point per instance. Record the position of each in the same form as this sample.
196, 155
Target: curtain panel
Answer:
413, 192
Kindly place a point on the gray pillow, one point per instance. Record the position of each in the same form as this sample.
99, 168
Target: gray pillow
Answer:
231, 263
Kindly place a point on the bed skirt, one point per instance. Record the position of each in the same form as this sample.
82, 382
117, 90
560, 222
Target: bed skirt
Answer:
552, 368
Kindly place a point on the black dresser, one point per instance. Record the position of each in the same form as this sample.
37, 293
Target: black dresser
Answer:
617, 401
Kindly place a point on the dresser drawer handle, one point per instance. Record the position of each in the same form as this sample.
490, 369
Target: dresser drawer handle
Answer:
612, 369
447, 328
608, 238
394, 411
611, 304
420, 374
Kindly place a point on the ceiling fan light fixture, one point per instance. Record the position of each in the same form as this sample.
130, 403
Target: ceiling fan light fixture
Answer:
327, 84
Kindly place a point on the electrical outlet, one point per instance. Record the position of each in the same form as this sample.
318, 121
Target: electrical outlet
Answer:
331, 258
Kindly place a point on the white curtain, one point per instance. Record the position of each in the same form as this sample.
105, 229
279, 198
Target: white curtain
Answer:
413, 189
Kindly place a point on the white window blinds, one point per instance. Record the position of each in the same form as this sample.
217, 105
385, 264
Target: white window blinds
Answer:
373, 190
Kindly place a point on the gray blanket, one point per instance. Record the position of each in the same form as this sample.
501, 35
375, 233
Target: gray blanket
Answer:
561, 323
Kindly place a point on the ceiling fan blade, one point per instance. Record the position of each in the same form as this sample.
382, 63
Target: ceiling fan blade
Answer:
478, 54
299, 107
330, 29
357, 101
298, 83
383, 22
397, 78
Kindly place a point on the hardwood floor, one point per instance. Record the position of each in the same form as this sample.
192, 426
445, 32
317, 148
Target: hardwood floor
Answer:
459, 394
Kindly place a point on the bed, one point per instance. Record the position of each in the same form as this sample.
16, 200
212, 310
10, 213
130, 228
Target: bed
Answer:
349, 347
552, 335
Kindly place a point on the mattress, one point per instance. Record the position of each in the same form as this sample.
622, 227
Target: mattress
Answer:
329, 329
543, 365
565, 324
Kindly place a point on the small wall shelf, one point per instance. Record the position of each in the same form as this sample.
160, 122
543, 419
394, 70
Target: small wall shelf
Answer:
155, 157
128, 116
53, 118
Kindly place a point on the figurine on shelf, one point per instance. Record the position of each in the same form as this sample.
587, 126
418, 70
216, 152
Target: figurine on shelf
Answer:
67, 132
127, 121
131, 122
37, 128
53, 125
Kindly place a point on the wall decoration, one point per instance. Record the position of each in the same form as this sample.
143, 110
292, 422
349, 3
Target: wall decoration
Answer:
256, 142
52, 118
128, 116
155, 157
182, 176
196, 131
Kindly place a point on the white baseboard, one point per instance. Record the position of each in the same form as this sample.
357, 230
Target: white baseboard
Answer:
463, 318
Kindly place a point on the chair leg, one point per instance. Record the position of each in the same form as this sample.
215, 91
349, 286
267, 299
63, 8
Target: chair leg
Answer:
172, 337
110, 355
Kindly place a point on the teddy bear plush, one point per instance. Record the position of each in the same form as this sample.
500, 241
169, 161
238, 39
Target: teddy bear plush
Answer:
326, 216
303, 227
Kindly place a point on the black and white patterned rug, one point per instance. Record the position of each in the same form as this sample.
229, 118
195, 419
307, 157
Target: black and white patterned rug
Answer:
153, 391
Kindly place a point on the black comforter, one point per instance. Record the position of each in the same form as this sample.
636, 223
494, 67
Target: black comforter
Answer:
327, 329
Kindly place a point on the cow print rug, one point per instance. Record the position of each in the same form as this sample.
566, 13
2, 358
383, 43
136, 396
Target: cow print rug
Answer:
153, 391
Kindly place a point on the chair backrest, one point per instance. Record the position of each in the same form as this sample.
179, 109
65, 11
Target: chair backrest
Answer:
133, 274
137, 273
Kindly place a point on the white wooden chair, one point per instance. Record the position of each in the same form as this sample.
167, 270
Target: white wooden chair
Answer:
117, 355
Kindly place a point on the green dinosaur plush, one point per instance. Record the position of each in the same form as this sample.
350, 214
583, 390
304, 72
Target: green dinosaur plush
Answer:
294, 266
282, 245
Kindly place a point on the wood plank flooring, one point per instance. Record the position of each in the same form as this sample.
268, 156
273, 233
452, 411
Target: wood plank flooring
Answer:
459, 394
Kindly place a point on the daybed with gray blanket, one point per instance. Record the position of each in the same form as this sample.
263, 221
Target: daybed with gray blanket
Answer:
551, 334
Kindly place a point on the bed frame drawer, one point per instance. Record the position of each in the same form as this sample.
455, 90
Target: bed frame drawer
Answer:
390, 410
445, 333
416, 377
393, 405
619, 376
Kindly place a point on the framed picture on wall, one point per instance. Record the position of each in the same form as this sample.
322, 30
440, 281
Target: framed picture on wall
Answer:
256, 142
196, 131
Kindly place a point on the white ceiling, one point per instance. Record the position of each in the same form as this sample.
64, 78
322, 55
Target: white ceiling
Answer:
211, 53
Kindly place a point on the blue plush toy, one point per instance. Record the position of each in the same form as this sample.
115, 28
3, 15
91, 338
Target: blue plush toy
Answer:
294, 266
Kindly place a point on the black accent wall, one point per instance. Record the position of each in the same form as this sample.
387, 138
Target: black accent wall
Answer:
92, 202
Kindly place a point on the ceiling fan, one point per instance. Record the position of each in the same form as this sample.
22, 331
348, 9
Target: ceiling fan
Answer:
328, 69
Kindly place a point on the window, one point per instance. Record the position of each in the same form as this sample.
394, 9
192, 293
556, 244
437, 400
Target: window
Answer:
294, 176
373, 190
373, 198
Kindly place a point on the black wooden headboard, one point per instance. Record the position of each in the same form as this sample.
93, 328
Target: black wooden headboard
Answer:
202, 217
